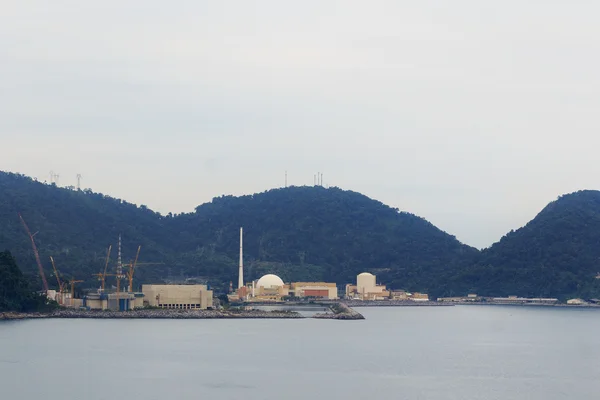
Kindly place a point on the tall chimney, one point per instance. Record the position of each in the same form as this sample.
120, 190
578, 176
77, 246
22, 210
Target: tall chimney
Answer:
241, 275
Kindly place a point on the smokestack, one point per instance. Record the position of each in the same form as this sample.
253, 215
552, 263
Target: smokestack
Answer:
241, 275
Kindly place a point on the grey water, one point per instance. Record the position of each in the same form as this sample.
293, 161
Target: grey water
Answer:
462, 352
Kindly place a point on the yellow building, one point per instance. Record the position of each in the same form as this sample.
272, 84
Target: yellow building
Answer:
419, 297
323, 290
366, 288
178, 296
270, 287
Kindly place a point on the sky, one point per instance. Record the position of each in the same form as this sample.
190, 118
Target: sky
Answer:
471, 114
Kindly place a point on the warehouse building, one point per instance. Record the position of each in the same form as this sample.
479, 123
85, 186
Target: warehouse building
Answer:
184, 297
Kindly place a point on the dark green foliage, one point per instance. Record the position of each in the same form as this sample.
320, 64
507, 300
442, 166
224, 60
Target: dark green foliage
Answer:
557, 254
15, 291
299, 233
302, 233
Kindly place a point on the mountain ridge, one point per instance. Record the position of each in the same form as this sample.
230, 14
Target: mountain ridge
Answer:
304, 232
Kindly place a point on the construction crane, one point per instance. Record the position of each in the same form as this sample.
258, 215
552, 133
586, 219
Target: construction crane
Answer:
61, 285
133, 265
73, 282
131, 270
102, 276
35, 252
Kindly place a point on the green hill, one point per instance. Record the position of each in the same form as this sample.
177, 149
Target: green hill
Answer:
557, 254
301, 233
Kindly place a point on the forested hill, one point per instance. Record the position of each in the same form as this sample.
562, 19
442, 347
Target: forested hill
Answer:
323, 234
556, 254
301, 233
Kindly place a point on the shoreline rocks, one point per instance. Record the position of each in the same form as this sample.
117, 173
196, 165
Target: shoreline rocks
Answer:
156, 314
341, 311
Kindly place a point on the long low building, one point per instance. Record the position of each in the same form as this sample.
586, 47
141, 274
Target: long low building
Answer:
178, 296
320, 290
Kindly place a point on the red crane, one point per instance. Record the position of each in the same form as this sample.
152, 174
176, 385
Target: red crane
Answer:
37, 256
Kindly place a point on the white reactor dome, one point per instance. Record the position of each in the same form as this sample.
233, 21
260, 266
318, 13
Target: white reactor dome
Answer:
269, 280
365, 274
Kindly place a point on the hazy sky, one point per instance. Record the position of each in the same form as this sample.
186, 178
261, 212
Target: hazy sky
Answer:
471, 114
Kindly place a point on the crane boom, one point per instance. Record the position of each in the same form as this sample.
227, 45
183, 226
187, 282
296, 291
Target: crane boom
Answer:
60, 286
37, 256
106, 266
132, 269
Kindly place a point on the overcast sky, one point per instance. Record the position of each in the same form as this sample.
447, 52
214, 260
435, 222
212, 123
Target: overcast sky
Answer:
471, 114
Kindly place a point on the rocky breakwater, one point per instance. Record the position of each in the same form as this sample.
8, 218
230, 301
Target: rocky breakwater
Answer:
158, 314
340, 311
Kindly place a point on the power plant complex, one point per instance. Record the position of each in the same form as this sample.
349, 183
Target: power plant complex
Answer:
268, 288
271, 288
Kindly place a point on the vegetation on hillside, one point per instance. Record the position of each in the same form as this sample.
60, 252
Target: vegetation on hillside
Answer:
557, 254
16, 293
302, 233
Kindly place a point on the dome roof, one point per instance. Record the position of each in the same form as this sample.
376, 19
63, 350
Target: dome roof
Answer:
269, 280
365, 274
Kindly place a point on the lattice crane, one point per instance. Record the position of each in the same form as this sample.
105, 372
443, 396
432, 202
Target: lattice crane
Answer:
35, 252
102, 276
61, 285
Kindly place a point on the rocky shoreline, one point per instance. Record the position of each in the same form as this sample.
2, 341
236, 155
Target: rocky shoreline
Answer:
340, 311
395, 303
156, 314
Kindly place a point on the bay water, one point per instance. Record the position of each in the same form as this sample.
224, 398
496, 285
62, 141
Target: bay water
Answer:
460, 352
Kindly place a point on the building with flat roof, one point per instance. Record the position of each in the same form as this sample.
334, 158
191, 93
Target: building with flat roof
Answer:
123, 301
183, 297
320, 290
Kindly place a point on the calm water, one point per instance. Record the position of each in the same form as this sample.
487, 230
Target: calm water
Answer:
462, 352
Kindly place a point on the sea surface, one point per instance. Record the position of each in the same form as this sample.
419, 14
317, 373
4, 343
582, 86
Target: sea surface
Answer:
461, 352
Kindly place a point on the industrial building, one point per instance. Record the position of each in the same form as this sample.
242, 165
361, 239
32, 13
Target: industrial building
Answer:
366, 288
522, 300
270, 287
113, 301
183, 297
320, 290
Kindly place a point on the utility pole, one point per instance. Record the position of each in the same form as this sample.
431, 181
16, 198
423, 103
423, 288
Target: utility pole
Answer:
79, 182
285, 178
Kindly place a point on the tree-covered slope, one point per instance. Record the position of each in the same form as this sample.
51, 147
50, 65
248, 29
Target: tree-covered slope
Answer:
75, 227
556, 254
16, 293
301, 233
340, 232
